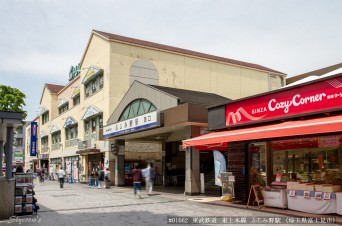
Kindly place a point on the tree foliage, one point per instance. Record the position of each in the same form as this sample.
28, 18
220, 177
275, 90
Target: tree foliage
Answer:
12, 99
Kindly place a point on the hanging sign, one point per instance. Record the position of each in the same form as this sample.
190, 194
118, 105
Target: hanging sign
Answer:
33, 143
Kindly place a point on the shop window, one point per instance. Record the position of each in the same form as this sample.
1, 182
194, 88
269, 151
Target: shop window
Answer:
308, 159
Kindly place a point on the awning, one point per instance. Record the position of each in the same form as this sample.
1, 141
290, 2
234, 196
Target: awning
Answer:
219, 140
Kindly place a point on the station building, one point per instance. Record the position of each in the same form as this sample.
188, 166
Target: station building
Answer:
132, 101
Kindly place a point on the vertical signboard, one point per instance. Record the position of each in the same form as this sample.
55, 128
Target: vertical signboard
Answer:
33, 145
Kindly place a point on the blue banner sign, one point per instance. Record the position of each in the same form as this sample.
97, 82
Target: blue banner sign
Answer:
33, 145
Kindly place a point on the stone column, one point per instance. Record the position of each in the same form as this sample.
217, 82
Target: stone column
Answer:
192, 166
120, 170
120, 164
9, 152
1, 154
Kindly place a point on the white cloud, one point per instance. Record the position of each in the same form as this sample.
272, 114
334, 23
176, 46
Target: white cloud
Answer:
38, 64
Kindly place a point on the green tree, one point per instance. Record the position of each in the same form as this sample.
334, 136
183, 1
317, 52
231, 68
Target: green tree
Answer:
12, 99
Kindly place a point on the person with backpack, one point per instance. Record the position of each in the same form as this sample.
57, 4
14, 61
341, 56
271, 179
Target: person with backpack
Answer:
61, 175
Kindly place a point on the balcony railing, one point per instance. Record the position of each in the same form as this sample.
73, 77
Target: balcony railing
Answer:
69, 143
45, 149
56, 146
86, 144
91, 136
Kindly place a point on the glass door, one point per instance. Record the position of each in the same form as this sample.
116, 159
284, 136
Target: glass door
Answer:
257, 163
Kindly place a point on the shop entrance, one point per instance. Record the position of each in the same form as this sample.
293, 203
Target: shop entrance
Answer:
257, 164
95, 162
174, 165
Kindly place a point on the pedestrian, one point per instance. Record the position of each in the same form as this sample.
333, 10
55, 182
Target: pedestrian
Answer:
61, 174
107, 178
107, 174
100, 177
14, 170
39, 174
150, 176
136, 174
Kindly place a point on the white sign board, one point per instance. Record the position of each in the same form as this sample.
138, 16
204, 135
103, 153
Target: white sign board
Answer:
135, 124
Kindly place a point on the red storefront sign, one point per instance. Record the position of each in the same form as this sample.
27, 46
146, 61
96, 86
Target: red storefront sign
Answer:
321, 96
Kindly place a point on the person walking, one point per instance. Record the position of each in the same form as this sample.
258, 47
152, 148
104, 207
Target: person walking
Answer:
100, 177
150, 175
61, 174
107, 178
136, 174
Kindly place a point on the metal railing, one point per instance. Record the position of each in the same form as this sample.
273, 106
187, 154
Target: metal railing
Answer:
69, 143
56, 146
91, 136
45, 149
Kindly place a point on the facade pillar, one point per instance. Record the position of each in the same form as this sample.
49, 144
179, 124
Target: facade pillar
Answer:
163, 169
1, 154
192, 166
9, 152
120, 164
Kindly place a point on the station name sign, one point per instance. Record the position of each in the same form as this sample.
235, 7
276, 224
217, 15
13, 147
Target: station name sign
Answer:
139, 123
74, 71
320, 96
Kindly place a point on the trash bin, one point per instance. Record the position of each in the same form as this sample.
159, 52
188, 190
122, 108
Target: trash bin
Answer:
107, 183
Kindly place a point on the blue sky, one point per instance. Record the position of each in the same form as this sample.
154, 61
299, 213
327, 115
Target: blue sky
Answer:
41, 39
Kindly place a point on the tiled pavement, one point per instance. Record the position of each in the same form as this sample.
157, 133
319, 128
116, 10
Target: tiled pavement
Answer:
78, 204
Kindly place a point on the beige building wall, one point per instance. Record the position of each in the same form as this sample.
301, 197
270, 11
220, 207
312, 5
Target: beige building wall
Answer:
185, 72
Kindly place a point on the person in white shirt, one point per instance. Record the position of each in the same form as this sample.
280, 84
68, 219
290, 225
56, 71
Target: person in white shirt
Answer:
149, 175
61, 174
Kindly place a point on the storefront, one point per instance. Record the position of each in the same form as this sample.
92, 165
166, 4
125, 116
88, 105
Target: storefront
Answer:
55, 165
44, 162
71, 167
293, 134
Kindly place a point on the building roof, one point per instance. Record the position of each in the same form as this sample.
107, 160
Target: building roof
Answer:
54, 88
120, 38
318, 72
194, 97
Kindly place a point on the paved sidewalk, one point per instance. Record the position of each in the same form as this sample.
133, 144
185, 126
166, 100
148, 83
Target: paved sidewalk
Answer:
79, 204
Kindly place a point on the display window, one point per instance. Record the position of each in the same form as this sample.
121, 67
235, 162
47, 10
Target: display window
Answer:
316, 159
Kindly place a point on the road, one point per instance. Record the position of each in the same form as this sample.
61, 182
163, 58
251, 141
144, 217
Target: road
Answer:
79, 204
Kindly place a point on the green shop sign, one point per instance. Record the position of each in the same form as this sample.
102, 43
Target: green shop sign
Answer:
74, 71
